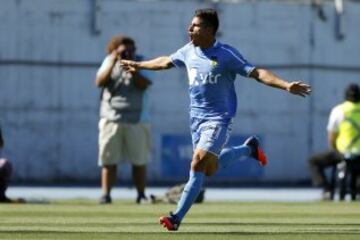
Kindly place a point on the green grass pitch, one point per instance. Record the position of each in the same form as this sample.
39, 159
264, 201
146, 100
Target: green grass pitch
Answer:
85, 219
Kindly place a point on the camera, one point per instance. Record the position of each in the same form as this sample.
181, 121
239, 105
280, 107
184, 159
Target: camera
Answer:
125, 55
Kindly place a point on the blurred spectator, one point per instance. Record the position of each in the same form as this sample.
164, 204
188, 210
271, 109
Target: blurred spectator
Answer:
5, 173
343, 137
1, 140
173, 195
122, 135
319, 6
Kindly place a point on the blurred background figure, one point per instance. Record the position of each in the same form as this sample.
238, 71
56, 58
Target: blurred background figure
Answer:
173, 195
6, 170
343, 137
5, 173
319, 6
122, 135
1, 141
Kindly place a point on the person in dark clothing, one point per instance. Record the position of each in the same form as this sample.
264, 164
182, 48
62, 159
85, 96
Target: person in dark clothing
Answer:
1, 140
5, 173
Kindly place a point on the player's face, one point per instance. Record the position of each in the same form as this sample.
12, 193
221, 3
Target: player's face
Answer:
198, 32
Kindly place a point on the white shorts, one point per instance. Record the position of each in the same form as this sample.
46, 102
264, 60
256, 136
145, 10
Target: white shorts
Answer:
123, 142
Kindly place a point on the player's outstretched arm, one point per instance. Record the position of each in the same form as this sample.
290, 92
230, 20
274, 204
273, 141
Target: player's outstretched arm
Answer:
159, 63
270, 79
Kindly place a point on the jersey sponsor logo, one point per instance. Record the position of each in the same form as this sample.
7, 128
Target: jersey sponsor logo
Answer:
197, 79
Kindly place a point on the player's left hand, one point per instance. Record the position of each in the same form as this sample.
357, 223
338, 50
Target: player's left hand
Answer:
299, 88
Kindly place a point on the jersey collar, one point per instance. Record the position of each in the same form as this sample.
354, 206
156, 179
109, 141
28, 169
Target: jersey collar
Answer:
214, 46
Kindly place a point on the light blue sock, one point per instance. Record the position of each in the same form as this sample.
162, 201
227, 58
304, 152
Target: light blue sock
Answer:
190, 193
230, 155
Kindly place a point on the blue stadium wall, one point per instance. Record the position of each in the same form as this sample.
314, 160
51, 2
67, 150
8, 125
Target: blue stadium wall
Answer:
50, 51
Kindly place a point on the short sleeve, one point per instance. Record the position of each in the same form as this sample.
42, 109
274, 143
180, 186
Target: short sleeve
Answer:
237, 62
178, 58
335, 118
105, 64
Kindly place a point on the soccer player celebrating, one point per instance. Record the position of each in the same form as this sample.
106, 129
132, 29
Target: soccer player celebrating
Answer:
212, 67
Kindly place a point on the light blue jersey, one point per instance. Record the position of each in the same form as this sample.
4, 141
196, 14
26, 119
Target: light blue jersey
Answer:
211, 74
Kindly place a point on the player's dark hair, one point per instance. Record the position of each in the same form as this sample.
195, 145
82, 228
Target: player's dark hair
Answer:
118, 40
352, 93
209, 16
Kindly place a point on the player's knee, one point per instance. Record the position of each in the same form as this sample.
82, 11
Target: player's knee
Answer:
204, 162
198, 164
